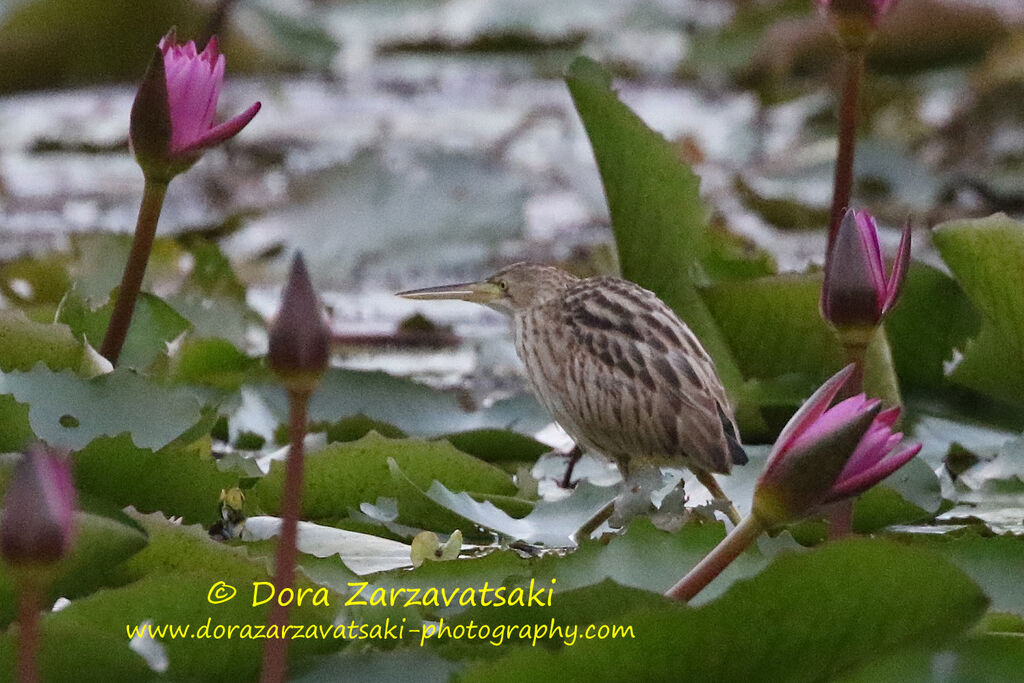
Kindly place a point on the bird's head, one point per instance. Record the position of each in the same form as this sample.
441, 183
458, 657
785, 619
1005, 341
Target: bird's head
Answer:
514, 289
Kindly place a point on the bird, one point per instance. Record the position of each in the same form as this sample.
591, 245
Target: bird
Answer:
621, 373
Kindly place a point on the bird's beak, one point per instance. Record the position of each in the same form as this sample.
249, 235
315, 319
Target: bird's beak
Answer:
477, 292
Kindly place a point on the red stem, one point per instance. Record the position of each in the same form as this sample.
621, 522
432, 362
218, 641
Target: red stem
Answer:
275, 651
854, 67
738, 540
28, 634
131, 282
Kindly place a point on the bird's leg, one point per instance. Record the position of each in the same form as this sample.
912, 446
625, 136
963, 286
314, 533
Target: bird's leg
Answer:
708, 479
574, 457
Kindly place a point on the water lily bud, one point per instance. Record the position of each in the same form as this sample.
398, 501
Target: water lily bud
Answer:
172, 116
856, 21
299, 338
825, 455
37, 527
856, 292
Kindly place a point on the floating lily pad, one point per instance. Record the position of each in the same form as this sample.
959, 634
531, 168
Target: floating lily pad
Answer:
985, 257
66, 410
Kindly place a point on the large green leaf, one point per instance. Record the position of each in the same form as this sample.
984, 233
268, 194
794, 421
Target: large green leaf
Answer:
774, 327
343, 475
985, 256
932, 317
69, 411
659, 220
25, 343
994, 562
990, 658
807, 617
412, 407
154, 324
177, 480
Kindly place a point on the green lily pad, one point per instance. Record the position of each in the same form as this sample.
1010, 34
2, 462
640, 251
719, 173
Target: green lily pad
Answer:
65, 410
154, 324
659, 219
795, 621
343, 475
985, 256
177, 480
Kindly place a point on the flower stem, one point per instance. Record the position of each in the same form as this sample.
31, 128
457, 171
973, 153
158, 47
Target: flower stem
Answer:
28, 633
843, 181
131, 282
738, 540
275, 651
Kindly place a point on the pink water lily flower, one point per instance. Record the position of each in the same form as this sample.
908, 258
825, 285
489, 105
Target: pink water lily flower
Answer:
824, 455
174, 109
39, 509
856, 291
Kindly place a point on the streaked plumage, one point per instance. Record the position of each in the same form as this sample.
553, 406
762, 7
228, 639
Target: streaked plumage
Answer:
615, 366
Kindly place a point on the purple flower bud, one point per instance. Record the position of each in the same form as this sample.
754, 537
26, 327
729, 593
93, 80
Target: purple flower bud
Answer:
299, 338
856, 291
39, 509
856, 20
824, 455
872, 10
172, 116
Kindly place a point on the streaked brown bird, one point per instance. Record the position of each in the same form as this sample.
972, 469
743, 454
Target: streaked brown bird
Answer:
615, 367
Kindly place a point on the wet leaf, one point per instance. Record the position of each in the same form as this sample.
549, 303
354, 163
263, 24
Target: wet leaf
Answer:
978, 658
177, 480
549, 523
343, 475
68, 411
985, 257
923, 335
830, 626
412, 407
24, 343
154, 324
659, 219
498, 445
993, 562
211, 362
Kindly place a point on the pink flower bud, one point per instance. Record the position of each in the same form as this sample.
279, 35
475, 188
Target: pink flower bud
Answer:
824, 455
856, 291
39, 509
172, 116
856, 20
299, 338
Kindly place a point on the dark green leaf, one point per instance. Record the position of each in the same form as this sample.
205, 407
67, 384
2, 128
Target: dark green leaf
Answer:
108, 405
659, 220
176, 480
807, 617
343, 475
154, 324
985, 256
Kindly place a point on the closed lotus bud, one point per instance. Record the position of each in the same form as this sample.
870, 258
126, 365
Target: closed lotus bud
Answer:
825, 455
37, 527
299, 338
856, 20
172, 116
856, 292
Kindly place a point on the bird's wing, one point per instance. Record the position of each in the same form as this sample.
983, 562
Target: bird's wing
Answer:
643, 380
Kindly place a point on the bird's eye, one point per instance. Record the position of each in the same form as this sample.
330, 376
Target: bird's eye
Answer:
502, 285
